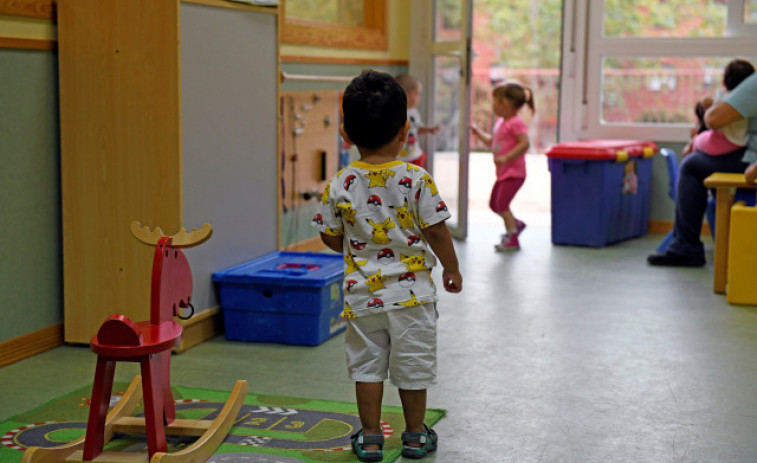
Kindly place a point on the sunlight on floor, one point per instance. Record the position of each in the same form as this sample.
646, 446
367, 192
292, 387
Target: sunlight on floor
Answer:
532, 203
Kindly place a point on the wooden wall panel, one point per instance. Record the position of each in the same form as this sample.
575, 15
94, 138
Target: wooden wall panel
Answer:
32, 8
120, 151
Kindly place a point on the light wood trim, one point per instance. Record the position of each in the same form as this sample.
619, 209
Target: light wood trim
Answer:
659, 226
30, 344
664, 226
310, 33
201, 327
110, 457
311, 244
46, 8
181, 239
207, 444
371, 37
34, 8
180, 427
374, 14
334, 60
235, 5
72, 451
27, 44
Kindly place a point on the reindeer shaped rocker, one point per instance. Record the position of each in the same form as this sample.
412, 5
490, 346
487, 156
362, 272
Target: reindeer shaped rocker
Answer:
149, 343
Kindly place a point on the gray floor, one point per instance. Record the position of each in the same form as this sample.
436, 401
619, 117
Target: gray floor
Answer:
551, 354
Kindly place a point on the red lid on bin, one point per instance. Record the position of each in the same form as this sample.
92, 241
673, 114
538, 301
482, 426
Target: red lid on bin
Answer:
602, 150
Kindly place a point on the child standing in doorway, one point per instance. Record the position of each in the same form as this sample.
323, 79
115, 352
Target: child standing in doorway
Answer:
411, 151
509, 142
383, 215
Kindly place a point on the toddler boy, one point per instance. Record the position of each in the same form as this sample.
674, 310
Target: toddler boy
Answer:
411, 151
383, 214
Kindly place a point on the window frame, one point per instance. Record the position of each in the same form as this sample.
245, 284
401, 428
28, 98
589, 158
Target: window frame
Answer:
585, 47
372, 36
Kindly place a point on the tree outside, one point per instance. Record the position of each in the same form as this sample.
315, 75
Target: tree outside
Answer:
521, 40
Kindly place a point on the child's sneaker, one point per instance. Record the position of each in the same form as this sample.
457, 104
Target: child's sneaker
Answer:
521, 225
509, 243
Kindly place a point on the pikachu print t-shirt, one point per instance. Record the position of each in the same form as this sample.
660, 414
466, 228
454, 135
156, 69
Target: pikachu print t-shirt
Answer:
380, 210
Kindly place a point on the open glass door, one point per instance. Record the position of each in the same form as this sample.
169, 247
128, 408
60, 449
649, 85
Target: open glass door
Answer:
449, 99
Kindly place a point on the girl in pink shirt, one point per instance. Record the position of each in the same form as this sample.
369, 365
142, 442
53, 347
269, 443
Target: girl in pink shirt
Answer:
509, 142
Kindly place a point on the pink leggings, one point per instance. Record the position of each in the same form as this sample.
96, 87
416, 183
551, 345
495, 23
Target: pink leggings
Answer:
503, 193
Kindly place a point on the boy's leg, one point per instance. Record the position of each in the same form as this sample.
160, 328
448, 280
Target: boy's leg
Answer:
369, 396
413, 363
414, 409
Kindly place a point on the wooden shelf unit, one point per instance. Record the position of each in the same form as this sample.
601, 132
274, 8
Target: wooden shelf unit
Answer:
168, 115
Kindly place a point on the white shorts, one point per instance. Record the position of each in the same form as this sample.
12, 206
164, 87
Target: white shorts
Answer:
399, 344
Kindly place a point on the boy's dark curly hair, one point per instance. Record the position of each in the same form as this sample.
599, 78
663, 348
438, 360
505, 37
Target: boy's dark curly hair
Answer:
375, 109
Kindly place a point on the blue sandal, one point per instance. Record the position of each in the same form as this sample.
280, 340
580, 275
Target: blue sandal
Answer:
359, 440
427, 439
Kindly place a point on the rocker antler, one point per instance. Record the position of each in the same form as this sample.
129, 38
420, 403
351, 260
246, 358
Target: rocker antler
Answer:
182, 239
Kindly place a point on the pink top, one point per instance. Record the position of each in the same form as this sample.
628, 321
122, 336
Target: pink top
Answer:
504, 139
714, 143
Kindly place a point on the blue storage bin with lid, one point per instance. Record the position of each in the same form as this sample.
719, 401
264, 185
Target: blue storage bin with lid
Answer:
283, 297
600, 190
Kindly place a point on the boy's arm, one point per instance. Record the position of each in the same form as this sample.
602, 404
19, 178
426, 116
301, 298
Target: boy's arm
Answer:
439, 239
518, 150
333, 242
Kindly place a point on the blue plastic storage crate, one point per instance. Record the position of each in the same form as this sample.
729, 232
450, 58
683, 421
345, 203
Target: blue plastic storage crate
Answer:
283, 297
592, 204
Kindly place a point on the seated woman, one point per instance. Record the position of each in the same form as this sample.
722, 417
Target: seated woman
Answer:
686, 249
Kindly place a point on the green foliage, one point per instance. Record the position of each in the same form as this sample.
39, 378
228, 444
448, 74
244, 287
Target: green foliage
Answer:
665, 18
528, 32
450, 11
662, 116
345, 12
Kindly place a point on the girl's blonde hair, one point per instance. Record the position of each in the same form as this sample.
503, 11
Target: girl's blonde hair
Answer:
518, 94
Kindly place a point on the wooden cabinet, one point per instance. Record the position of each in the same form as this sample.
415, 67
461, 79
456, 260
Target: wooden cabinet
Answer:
168, 116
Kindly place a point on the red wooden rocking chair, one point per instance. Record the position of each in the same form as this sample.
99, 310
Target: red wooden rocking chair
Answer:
149, 343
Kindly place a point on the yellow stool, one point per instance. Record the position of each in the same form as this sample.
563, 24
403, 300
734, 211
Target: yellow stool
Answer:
742, 256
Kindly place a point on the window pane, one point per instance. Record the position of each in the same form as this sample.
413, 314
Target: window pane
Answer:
447, 20
750, 11
342, 12
657, 90
665, 18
